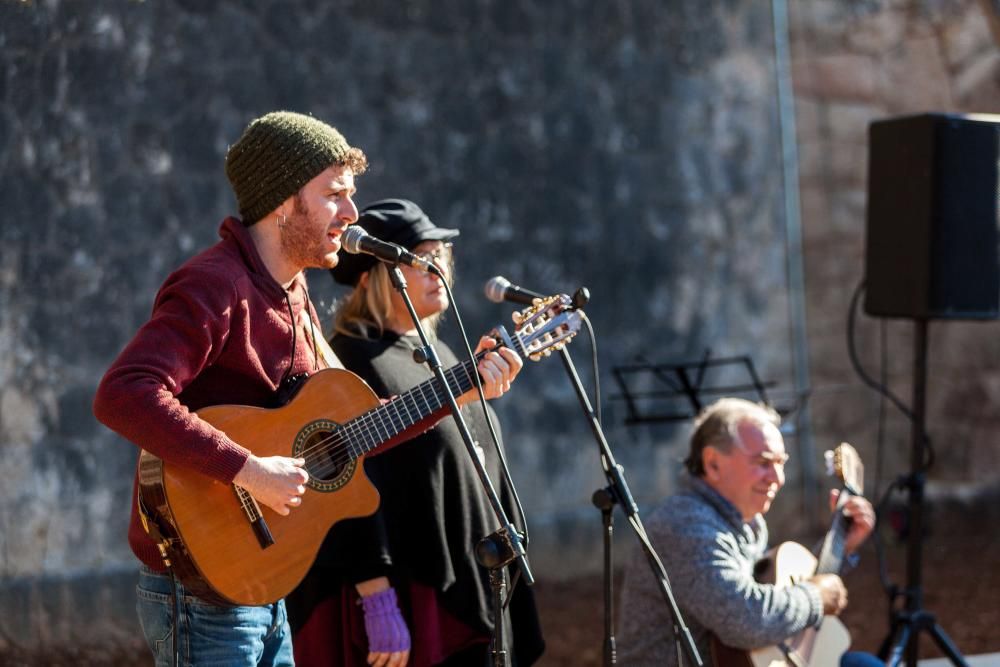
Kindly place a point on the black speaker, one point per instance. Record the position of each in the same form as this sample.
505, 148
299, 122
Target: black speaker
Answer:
932, 220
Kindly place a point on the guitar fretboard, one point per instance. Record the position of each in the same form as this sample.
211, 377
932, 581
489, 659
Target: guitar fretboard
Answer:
831, 557
378, 425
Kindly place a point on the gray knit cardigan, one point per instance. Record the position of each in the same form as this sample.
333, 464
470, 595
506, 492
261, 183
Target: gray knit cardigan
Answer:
709, 553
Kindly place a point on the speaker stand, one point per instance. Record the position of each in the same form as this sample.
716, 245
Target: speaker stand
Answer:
906, 624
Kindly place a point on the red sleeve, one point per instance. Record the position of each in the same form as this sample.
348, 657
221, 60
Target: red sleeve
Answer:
137, 397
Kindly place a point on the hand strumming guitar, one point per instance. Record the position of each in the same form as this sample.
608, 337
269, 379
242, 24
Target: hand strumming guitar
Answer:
275, 481
832, 591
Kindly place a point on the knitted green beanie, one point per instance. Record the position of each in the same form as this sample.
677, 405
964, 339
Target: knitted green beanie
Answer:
278, 154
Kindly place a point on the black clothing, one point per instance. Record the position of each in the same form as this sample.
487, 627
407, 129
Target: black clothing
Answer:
433, 508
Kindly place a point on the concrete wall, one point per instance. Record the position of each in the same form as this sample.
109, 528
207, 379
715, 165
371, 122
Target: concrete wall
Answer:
853, 63
631, 147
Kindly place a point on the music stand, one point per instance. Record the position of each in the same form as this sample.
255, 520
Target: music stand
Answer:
688, 380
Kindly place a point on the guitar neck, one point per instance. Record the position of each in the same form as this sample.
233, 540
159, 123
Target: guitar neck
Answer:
378, 425
831, 556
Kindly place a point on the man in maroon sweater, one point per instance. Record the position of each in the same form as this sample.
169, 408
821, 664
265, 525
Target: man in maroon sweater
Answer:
233, 325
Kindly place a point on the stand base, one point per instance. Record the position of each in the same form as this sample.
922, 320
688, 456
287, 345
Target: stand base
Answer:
906, 629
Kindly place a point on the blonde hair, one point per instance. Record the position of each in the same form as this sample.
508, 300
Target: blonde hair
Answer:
364, 312
718, 426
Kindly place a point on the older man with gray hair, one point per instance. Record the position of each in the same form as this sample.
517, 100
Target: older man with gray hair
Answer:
711, 534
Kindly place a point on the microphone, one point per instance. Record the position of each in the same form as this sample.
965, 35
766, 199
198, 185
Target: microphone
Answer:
498, 289
356, 241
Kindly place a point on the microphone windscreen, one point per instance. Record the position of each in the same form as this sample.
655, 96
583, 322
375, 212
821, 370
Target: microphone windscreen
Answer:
351, 239
496, 288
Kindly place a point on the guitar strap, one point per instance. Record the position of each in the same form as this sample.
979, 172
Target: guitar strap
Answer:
326, 354
152, 528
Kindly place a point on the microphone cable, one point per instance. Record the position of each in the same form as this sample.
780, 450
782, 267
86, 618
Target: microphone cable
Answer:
902, 481
595, 368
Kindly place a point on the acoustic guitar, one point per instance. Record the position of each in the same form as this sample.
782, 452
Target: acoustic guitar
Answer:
229, 550
791, 563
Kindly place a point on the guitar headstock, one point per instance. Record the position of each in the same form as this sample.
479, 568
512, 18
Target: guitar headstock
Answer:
845, 463
547, 325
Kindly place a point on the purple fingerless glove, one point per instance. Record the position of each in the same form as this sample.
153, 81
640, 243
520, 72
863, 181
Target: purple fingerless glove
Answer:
387, 632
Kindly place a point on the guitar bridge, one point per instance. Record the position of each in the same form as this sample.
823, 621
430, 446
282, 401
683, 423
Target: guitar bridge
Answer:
262, 533
256, 518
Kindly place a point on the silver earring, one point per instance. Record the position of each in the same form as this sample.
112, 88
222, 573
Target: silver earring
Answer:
283, 222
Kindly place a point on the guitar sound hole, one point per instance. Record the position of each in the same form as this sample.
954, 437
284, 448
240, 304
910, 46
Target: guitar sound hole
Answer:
328, 457
322, 461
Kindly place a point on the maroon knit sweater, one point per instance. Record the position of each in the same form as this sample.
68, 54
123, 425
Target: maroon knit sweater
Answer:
220, 333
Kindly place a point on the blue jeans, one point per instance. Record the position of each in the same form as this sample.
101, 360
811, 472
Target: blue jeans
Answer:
859, 659
208, 634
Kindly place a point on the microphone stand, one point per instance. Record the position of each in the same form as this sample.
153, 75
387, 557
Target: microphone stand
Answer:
617, 492
504, 546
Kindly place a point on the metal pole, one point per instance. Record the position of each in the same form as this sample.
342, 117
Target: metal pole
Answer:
793, 254
914, 593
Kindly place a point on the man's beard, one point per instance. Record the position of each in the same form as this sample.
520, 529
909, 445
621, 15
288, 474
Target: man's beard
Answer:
300, 241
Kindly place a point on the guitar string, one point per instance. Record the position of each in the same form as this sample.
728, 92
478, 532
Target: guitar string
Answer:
343, 442
374, 427
362, 426
381, 423
838, 538
365, 423
245, 502
370, 431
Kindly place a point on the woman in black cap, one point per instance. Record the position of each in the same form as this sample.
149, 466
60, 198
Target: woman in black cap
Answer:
424, 600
